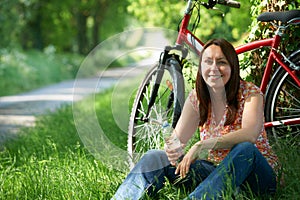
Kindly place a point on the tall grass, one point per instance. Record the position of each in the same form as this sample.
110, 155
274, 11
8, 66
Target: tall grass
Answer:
21, 71
50, 162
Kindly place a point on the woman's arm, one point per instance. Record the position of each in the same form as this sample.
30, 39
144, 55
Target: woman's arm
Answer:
187, 123
184, 130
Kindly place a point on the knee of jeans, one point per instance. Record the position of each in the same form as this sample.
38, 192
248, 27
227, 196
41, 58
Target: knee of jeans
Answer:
152, 160
154, 154
244, 146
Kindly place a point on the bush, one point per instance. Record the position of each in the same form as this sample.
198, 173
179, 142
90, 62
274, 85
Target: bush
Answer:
25, 70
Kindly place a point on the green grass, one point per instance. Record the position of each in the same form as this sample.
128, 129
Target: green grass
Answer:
49, 161
22, 71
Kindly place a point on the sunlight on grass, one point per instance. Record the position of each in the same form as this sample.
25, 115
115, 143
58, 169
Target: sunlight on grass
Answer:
22, 71
49, 161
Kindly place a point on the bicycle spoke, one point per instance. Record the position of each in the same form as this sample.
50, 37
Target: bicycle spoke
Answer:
284, 104
147, 121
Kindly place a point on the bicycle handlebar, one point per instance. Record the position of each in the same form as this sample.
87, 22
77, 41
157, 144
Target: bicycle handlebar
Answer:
231, 3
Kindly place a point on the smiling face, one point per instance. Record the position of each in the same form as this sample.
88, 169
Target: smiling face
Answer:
215, 68
218, 77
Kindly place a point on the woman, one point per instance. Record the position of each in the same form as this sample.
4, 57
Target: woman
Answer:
229, 114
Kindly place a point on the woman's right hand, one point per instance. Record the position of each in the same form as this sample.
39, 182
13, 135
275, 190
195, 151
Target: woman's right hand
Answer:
173, 154
184, 166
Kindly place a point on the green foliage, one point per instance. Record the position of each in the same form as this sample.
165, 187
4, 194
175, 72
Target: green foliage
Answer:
21, 71
222, 22
10, 21
73, 26
151, 12
256, 60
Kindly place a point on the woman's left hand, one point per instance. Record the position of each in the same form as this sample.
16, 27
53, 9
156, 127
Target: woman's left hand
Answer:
184, 166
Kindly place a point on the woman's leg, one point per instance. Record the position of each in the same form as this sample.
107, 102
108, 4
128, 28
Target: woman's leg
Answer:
150, 172
262, 180
243, 161
199, 171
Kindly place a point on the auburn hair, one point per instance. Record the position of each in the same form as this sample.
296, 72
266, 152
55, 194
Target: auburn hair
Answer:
231, 87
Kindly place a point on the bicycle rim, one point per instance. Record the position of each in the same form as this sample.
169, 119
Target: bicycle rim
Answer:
283, 103
145, 134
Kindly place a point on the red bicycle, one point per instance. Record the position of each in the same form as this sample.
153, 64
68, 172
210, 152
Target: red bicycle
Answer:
161, 94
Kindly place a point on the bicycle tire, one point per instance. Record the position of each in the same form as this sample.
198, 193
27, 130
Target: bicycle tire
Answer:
145, 135
282, 102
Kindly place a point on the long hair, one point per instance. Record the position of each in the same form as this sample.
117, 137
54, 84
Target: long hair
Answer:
231, 87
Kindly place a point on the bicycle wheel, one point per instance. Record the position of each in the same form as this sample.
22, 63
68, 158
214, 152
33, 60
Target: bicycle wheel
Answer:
283, 102
144, 132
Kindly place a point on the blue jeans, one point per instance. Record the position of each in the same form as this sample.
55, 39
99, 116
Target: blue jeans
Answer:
244, 166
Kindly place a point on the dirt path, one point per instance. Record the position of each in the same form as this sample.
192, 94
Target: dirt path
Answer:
21, 110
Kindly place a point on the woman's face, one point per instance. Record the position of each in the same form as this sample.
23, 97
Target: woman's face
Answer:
215, 68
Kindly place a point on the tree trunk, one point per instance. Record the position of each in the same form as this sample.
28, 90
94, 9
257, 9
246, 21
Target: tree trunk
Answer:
82, 33
96, 29
32, 35
36, 31
99, 12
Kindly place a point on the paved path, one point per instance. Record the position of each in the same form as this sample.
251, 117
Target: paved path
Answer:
21, 110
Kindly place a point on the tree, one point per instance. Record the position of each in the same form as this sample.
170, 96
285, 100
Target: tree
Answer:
68, 25
10, 22
32, 35
214, 23
93, 16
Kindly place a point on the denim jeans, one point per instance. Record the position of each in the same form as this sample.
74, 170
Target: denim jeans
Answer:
244, 166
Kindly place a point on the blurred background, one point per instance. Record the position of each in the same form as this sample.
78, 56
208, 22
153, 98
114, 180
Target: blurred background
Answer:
44, 41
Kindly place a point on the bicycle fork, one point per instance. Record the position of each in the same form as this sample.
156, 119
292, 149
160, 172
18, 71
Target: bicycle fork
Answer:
171, 63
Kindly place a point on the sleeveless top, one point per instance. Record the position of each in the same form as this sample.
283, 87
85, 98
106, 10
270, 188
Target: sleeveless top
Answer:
210, 129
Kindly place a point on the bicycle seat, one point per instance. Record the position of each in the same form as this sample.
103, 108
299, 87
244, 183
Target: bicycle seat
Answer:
284, 16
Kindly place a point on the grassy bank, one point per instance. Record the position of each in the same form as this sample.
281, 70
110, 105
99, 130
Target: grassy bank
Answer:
49, 161
21, 71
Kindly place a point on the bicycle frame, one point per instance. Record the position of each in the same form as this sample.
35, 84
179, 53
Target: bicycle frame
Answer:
273, 56
185, 36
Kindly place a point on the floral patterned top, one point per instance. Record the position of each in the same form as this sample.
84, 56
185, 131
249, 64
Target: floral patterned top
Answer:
210, 129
